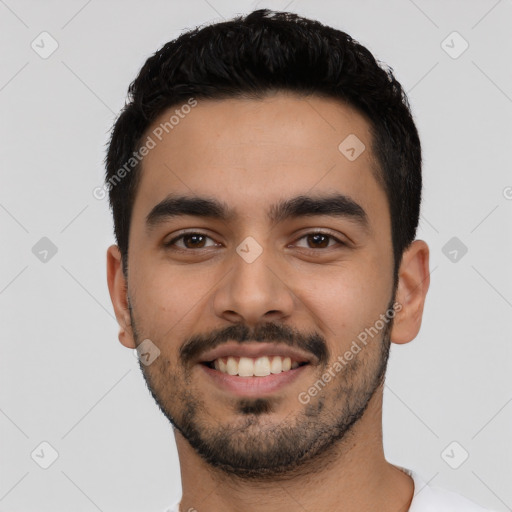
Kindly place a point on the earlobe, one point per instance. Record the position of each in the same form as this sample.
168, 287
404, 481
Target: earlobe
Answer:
413, 285
118, 295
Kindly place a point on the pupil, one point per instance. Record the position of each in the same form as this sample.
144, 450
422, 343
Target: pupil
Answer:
194, 238
316, 238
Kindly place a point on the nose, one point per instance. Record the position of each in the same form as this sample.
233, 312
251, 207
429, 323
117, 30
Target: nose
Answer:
254, 291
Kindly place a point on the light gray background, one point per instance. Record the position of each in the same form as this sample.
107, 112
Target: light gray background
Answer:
65, 378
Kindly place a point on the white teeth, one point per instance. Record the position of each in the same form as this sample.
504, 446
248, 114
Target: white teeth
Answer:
276, 365
254, 367
232, 366
245, 367
223, 367
262, 367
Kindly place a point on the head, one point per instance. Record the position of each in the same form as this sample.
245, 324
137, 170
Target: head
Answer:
265, 183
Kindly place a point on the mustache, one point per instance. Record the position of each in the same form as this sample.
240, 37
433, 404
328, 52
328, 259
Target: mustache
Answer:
311, 342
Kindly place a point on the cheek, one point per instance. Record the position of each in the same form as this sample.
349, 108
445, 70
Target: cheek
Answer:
165, 296
346, 300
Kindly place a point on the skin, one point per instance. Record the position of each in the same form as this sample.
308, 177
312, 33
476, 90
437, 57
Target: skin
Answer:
233, 150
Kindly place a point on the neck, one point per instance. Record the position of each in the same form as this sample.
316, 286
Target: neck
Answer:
351, 477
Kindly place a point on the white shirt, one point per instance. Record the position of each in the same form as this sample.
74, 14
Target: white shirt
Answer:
426, 498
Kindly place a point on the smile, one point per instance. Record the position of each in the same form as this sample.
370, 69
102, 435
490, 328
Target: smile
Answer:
254, 369
254, 366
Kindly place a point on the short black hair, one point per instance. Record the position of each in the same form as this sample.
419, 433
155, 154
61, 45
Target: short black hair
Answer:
253, 56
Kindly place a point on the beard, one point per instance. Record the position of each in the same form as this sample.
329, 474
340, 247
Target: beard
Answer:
252, 446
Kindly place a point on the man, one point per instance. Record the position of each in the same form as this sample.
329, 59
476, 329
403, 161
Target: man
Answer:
265, 182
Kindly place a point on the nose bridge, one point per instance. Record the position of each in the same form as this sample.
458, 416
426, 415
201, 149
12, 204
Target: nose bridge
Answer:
253, 288
251, 276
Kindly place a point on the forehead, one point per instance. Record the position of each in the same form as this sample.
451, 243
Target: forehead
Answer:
249, 153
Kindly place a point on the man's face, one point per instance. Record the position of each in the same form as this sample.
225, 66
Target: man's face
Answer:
257, 287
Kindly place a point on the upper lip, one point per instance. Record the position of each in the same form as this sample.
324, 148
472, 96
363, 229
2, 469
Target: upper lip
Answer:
255, 349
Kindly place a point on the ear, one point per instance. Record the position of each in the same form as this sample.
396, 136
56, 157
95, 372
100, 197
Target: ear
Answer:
413, 284
119, 296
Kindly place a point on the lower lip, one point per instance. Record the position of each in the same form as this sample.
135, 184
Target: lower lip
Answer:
253, 386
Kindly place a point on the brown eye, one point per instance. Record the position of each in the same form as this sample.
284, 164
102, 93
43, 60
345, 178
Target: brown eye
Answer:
320, 240
190, 241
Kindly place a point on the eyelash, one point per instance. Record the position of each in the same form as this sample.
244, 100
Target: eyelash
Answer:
190, 233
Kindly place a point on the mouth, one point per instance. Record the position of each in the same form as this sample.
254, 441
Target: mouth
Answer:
254, 366
254, 369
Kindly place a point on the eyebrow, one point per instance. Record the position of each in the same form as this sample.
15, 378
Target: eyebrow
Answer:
333, 205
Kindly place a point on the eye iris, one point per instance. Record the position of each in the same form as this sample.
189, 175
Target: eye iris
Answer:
193, 237
317, 236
